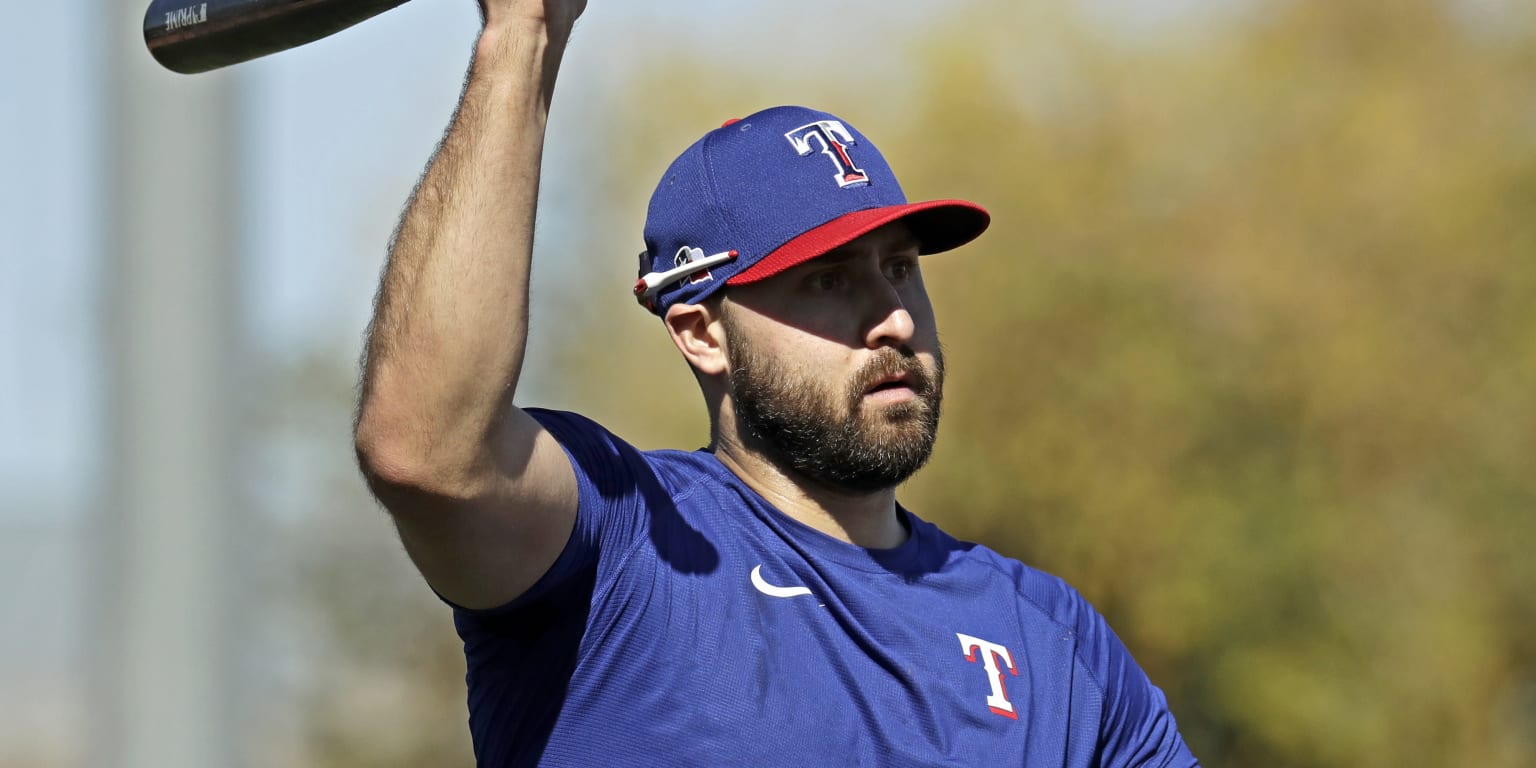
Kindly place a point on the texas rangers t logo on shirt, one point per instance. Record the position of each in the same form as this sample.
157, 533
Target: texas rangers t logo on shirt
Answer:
991, 654
834, 138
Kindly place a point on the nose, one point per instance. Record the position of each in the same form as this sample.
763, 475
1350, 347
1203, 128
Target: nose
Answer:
890, 324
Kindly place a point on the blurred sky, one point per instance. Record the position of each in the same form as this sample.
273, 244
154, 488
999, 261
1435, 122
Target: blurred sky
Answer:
332, 138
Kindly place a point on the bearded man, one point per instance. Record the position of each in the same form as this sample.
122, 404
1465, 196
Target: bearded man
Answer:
763, 601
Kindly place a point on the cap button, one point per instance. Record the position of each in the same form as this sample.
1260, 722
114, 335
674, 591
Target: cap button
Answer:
730, 122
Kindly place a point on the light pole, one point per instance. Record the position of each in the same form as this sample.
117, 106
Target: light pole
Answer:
161, 688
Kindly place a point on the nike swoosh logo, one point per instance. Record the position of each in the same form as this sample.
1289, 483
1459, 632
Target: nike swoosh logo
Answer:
772, 591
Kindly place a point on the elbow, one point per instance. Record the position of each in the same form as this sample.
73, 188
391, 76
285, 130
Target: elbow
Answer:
407, 471
381, 462
388, 463
393, 463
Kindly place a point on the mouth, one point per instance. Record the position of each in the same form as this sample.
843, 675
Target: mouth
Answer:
895, 383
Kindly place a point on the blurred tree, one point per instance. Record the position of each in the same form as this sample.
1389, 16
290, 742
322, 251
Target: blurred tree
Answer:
1248, 356
380, 672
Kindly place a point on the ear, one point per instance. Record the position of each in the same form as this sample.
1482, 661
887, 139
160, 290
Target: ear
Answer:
698, 333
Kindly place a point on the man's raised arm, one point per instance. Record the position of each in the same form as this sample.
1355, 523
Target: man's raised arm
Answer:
484, 498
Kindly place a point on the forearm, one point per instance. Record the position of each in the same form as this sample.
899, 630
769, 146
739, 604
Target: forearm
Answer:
445, 347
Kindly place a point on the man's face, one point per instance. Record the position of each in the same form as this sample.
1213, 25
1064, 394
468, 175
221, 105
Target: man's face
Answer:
836, 370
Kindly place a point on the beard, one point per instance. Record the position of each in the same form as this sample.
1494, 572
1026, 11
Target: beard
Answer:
823, 430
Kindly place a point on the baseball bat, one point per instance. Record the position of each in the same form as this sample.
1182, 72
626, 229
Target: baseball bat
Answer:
190, 36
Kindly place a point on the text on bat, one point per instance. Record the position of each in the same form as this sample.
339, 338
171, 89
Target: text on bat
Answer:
186, 17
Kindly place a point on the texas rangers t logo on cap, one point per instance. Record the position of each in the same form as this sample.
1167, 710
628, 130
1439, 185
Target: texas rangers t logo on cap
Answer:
835, 138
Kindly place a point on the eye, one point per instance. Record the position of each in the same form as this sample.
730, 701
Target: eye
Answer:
900, 269
826, 280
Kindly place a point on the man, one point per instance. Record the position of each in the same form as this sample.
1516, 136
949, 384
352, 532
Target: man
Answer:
764, 601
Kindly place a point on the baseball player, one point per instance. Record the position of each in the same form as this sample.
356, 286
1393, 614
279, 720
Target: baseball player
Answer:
764, 601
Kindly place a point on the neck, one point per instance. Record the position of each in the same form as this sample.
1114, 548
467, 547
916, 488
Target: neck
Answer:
864, 519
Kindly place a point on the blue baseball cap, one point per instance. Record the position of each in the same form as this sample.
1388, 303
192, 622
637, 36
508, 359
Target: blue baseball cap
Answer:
765, 193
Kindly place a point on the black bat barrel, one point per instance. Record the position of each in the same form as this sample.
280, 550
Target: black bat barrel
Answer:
191, 37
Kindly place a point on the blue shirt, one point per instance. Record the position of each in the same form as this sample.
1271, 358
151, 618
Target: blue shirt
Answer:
690, 623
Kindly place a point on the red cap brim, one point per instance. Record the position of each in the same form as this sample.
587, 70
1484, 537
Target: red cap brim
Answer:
938, 225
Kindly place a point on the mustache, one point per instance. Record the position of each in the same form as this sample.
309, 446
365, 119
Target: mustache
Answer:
893, 362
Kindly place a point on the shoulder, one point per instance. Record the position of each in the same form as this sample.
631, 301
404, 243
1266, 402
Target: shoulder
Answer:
1133, 723
574, 430
1047, 597
598, 452
1039, 592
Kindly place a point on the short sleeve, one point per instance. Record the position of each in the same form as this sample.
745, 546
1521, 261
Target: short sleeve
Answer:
1136, 727
520, 657
613, 481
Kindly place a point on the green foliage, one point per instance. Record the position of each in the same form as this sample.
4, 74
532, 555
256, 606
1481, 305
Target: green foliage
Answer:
1248, 356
